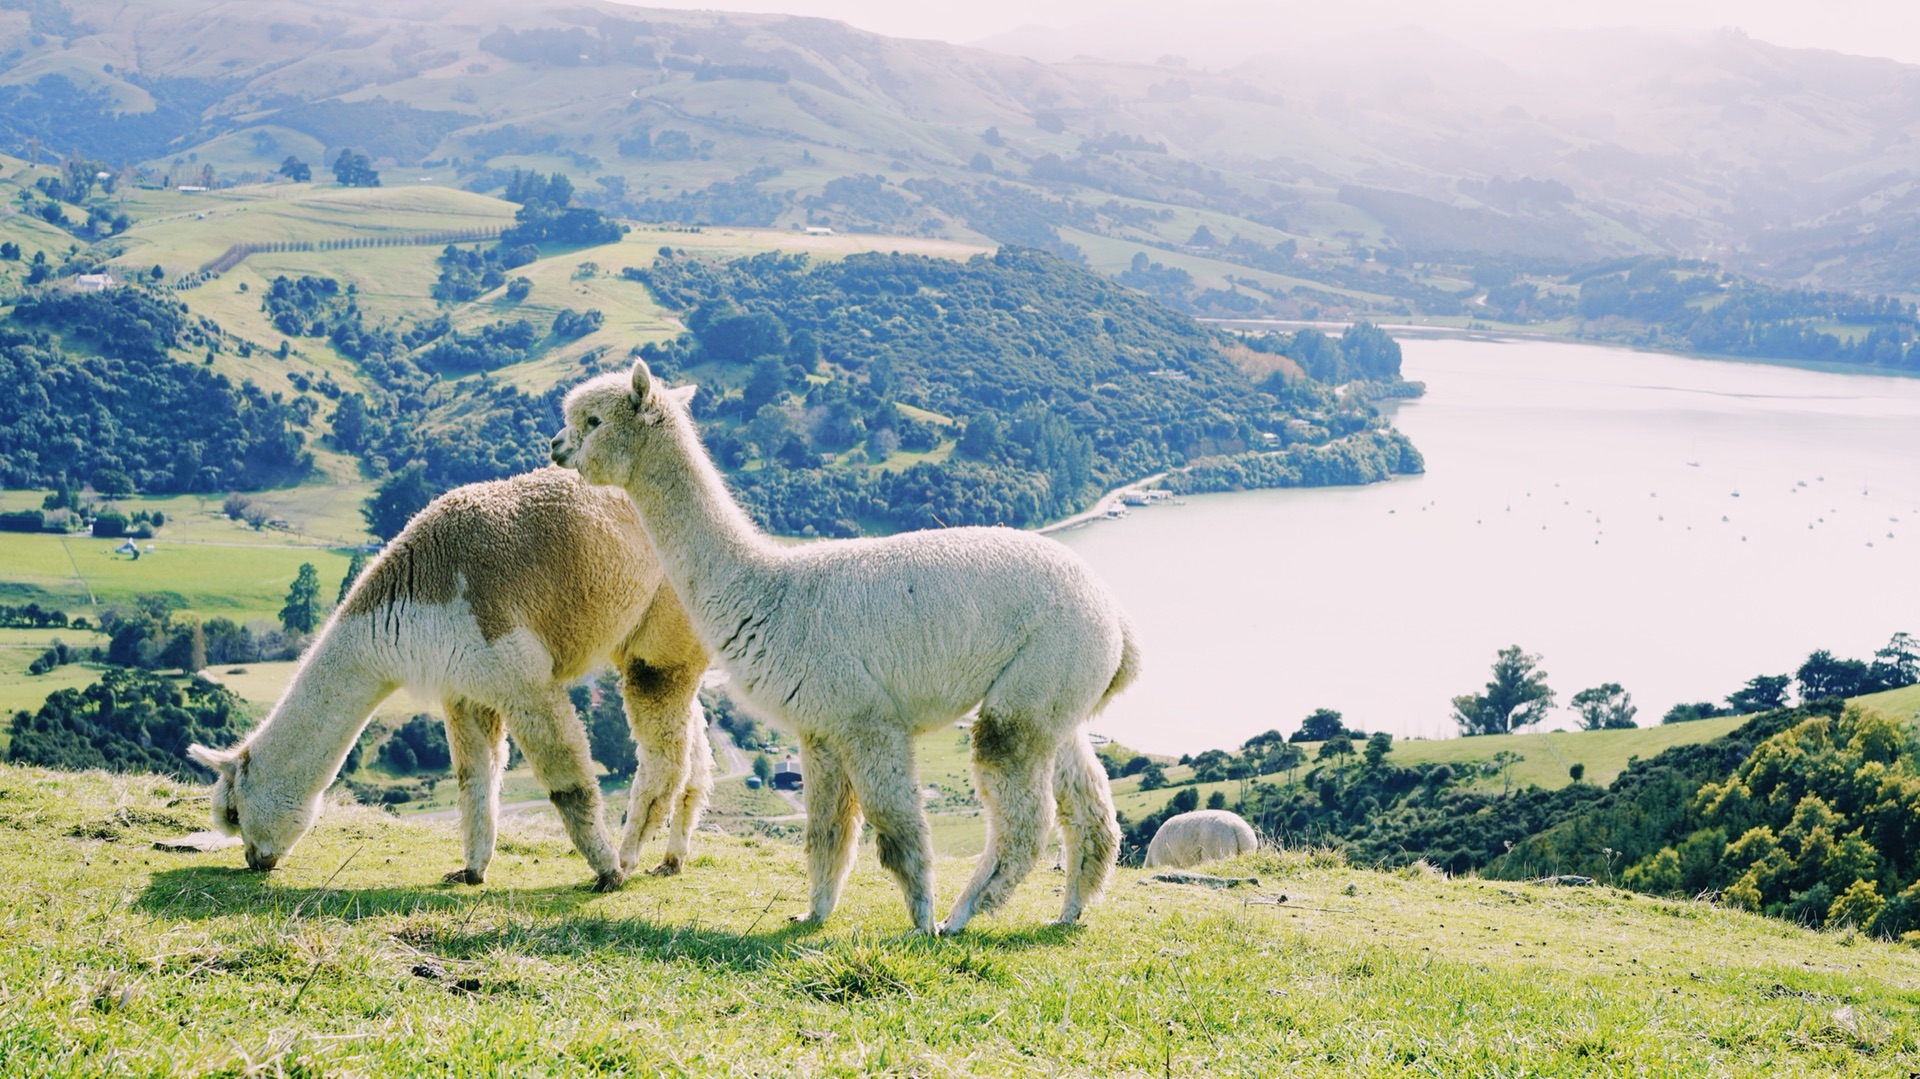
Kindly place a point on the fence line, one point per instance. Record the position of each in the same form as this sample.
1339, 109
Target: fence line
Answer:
238, 253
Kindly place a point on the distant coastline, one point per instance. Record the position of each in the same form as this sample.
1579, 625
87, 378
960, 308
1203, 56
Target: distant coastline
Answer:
1429, 331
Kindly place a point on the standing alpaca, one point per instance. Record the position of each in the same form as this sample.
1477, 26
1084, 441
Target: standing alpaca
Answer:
493, 598
861, 644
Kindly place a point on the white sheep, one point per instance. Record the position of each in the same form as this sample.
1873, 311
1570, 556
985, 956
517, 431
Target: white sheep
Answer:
492, 599
1204, 835
859, 645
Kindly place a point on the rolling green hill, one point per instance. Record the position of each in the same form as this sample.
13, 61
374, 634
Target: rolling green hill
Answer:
352, 958
1375, 177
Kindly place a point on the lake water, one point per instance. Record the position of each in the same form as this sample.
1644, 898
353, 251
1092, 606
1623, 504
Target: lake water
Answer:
1675, 525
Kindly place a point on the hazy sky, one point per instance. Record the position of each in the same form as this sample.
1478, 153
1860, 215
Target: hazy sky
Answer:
1231, 29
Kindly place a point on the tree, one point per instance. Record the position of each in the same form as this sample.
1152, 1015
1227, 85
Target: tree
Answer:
354, 566
1898, 664
1762, 693
763, 767
302, 610
112, 483
608, 736
1152, 777
353, 169
297, 170
1516, 697
351, 423
1335, 749
1378, 747
1323, 724
1605, 707
396, 500
1822, 675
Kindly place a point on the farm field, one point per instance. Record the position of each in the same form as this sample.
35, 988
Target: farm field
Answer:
353, 958
240, 581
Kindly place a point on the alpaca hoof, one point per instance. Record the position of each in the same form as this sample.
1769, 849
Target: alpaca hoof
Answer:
609, 881
945, 929
804, 920
465, 876
668, 867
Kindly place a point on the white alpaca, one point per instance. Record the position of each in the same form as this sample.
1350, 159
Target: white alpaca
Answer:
492, 599
1204, 835
861, 644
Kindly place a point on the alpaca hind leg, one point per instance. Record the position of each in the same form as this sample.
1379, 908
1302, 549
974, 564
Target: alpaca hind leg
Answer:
657, 713
479, 755
548, 731
1012, 769
699, 789
660, 666
833, 826
886, 782
1085, 803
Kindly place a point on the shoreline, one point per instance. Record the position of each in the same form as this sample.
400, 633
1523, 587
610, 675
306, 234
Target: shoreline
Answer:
1417, 330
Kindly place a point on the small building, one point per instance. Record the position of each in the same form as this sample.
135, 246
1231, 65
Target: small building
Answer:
819, 230
753, 783
94, 282
786, 776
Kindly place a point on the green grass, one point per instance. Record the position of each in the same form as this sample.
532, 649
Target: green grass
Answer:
240, 581
353, 959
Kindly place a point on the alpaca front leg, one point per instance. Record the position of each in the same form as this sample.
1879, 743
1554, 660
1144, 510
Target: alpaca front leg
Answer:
1012, 776
479, 756
555, 743
833, 826
889, 792
1084, 799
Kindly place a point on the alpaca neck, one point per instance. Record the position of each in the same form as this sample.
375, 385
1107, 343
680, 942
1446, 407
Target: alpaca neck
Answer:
301, 744
705, 540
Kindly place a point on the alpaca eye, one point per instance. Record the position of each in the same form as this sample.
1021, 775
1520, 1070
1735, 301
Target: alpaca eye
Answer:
233, 817
592, 422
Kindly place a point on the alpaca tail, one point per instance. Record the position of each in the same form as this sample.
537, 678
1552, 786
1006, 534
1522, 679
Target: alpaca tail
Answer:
1129, 668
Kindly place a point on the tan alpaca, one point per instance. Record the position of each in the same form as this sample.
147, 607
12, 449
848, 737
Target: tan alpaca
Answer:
861, 644
492, 599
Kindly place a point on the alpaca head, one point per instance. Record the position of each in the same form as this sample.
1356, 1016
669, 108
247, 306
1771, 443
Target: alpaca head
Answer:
268, 825
612, 419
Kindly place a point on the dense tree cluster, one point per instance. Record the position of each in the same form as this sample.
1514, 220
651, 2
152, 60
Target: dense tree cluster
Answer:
466, 274
418, 745
168, 426
1811, 814
129, 721
1688, 306
1055, 382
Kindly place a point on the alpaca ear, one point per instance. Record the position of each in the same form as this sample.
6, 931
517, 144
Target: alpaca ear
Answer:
212, 760
683, 395
642, 384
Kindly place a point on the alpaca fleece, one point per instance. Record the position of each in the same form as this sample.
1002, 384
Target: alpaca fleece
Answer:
859, 645
1204, 835
492, 599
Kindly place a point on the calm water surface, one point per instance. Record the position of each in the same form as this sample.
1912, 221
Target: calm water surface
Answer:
1671, 524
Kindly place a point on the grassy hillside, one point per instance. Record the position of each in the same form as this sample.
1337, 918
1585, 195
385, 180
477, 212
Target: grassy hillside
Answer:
353, 959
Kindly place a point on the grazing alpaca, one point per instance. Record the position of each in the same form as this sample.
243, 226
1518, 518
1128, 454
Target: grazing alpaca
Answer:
861, 644
492, 599
1204, 835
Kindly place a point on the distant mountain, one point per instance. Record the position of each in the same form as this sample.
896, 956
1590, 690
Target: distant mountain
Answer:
1364, 174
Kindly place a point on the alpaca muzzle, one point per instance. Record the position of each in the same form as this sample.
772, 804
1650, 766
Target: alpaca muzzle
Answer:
260, 862
558, 450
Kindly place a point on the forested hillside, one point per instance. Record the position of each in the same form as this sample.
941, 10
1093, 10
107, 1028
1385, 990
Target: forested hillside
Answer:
1303, 187
896, 391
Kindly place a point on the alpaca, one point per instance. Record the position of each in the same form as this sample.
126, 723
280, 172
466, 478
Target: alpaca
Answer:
1204, 835
858, 645
493, 598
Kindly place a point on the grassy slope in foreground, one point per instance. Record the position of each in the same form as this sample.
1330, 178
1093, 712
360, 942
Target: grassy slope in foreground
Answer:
353, 959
